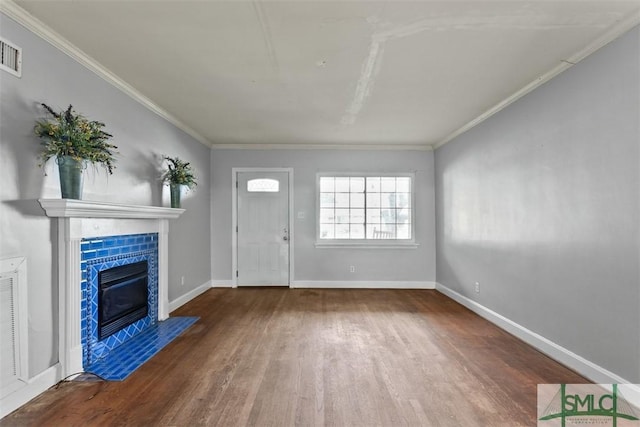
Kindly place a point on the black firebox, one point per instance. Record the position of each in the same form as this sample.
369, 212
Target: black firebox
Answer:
123, 297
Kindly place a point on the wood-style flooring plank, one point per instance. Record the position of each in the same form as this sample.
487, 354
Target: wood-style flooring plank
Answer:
310, 357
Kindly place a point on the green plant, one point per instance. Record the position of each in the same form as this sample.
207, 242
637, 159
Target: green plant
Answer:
178, 172
69, 133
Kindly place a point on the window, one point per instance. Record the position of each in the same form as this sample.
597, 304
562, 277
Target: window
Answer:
263, 185
365, 208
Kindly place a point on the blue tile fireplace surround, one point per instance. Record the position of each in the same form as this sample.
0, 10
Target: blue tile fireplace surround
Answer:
110, 358
94, 237
102, 253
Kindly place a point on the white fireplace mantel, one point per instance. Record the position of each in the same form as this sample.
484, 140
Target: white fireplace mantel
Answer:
72, 208
78, 219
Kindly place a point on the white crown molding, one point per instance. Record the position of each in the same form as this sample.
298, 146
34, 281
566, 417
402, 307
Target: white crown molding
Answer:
400, 147
610, 35
15, 12
33, 24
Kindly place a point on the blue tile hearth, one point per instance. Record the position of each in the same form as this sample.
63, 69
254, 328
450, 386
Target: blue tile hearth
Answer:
128, 357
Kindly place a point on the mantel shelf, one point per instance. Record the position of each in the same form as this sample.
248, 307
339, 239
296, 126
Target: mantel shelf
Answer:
72, 208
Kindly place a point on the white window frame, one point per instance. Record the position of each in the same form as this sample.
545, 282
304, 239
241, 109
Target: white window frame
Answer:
367, 243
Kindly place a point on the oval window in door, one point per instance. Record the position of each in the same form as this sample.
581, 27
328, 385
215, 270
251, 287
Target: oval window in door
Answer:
263, 185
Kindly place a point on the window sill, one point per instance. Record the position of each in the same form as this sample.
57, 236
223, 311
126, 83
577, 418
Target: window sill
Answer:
362, 245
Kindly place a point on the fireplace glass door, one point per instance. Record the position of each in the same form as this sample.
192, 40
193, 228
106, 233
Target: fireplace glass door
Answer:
123, 297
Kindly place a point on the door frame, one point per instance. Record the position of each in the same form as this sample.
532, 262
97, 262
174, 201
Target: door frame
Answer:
234, 219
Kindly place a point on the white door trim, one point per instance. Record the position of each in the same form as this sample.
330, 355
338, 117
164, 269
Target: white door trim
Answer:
234, 219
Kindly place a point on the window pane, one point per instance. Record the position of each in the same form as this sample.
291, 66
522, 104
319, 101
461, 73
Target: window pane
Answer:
388, 232
387, 184
327, 216
357, 231
373, 216
357, 185
403, 185
342, 200
342, 231
403, 200
388, 200
327, 200
388, 216
373, 200
263, 185
357, 216
342, 185
326, 231
342, 216
327, 184
373, 184
403, 216
357, 200
378, 231
404, 231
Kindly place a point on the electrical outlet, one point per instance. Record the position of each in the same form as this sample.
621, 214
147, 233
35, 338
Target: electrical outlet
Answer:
352, 268
478, 287
182, 281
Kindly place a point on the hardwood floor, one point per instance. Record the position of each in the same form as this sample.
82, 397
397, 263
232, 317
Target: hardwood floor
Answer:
284, 357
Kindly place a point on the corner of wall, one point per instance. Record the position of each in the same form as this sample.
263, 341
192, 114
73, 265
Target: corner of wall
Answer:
560, 354
35, 386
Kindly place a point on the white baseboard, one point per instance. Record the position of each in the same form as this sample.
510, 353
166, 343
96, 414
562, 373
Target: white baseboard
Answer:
182, 300
35, 386
365, 284
572, 360
222, 283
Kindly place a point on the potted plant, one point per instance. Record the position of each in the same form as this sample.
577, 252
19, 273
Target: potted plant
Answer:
178, 174
74, 141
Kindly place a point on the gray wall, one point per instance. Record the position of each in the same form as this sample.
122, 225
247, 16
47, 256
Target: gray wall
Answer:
323, 264
540, 204
52, 77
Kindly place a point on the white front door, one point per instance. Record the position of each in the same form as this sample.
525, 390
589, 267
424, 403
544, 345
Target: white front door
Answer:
263, 228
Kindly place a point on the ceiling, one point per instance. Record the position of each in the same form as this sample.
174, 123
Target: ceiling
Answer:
331, 73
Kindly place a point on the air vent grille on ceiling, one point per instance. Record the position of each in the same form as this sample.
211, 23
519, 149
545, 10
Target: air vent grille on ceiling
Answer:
11, 57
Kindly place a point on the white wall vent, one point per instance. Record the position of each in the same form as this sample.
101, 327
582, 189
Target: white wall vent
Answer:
11, 57
13, 325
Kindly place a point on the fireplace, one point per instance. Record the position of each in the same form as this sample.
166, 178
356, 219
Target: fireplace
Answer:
96, 239
123, 297
92, 237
